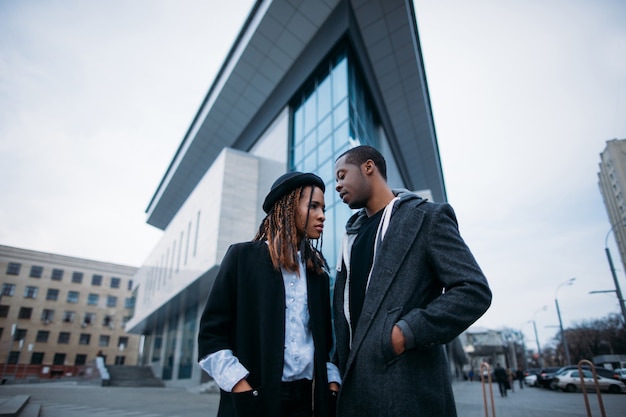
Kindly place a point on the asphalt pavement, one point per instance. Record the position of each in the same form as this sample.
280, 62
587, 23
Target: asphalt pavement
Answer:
66, 399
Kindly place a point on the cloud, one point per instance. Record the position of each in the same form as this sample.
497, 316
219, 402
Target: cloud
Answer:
94, 100
524, 97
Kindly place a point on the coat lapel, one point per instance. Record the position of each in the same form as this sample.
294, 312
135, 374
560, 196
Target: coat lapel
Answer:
394, 249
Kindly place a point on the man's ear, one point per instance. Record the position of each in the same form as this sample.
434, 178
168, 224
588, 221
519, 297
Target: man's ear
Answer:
369, 167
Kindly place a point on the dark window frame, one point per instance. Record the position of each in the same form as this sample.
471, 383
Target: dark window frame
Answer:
36, 271
14, 268
116, 282
57, 274
25, 313
96, 280
77, 277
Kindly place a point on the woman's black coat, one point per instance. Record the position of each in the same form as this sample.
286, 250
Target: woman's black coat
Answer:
245, 312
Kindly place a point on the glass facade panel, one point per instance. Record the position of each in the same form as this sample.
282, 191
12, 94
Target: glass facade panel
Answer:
333, 114
324, 98
188, 343
340, 80
170, 348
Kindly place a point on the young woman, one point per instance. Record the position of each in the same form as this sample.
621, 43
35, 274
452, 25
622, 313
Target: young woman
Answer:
265, 334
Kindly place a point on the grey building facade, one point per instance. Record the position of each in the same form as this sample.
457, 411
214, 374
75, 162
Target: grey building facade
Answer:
303, 82
612, 183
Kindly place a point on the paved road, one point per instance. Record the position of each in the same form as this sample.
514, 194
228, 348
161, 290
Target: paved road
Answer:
68, 400
533, 402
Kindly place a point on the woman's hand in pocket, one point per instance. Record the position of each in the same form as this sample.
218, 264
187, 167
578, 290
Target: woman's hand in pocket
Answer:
242, 386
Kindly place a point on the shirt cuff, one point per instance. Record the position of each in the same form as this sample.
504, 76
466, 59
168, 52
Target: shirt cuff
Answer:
224, 368
409, 338
333, 373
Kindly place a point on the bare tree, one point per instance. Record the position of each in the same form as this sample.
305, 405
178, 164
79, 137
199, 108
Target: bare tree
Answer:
591, 338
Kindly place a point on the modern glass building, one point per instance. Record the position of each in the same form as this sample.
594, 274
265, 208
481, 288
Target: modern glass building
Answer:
303, 82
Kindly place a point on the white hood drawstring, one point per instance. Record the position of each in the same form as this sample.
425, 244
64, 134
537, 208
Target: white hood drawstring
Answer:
347, 244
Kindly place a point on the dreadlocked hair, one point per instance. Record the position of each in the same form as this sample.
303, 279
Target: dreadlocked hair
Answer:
278, 228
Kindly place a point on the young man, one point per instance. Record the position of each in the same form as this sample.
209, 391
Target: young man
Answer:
407, 284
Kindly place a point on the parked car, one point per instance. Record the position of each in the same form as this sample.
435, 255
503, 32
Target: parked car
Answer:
531, 380
544, 378
530, 377
600, 371
622, 374
569, 381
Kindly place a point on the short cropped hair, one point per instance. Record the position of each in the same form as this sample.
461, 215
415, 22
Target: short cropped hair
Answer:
360, 154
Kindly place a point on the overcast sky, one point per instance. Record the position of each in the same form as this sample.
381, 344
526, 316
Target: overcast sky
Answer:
95, 98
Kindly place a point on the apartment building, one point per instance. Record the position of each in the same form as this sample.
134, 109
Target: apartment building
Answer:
58, 312
612, 183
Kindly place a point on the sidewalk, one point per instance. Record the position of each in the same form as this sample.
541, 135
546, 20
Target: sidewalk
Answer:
59, 399
532, 402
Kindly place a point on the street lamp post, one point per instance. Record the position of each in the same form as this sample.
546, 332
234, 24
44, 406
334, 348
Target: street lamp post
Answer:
521, 332
537, 336
558, 312
618, 291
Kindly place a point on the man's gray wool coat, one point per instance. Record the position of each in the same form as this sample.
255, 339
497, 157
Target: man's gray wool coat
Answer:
426, 280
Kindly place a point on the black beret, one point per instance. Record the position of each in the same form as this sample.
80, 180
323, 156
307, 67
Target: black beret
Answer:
288, 182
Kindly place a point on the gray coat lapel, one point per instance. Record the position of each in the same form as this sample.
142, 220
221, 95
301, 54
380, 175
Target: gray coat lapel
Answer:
393, 250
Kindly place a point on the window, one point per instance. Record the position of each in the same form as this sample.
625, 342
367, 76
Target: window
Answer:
57, 274
130, 284
25, 313
158, 346
72, 296
122, 342
52, 294
20, 334
92, 299
111, 301
81, 359
36, 271
64, 338
30, 292
129, 302
115, 282
4, 311
332, 113
14, 357
59, 359
68, 317
104, 340
89, 318
14, 268
84, 339
195, 242
47, 315
119, 360
108, 321
187, 244
42, 336
77, 277
36, 358
96, 280
8, 290
188, 343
